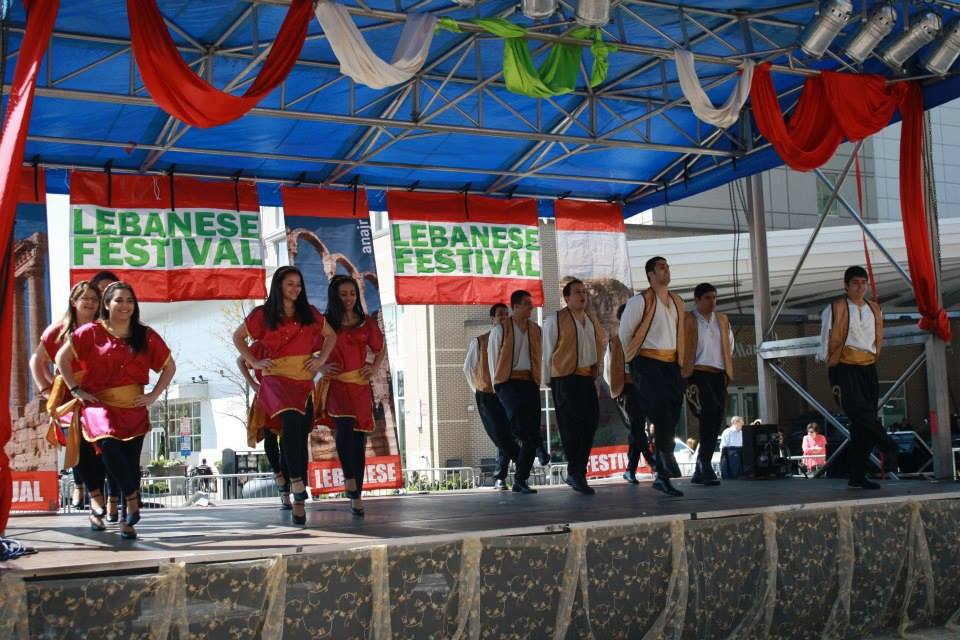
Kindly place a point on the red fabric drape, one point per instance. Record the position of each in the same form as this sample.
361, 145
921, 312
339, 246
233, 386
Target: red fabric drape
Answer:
933, 317
180, 92
41, 16
834, 106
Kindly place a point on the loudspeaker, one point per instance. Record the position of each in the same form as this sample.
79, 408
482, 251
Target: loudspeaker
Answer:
761, 452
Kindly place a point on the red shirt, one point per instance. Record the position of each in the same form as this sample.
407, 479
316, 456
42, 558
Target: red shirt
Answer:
346, 400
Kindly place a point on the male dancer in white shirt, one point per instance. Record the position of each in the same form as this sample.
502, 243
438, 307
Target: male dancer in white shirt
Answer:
851, 334
513, 355
476, 368
708, 369
652, 332
572, 344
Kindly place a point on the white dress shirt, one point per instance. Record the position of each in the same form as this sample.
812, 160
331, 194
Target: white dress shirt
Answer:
608, 361
731, 438
521, 349
663, 328
471, 363
709, 346
586, 344
862, 334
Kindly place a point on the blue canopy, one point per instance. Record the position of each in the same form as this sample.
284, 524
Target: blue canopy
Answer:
455, 126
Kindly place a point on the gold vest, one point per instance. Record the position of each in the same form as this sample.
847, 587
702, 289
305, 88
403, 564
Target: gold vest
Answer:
692, 336
837, 351
505, 356
640, 334
618, 376
567, 349
481, 371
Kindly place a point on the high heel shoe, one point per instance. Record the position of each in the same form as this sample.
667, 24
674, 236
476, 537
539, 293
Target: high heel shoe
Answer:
75, 502
113, 509
96, 522
299, 500
127, 532
133, 517
285, 498
98, 512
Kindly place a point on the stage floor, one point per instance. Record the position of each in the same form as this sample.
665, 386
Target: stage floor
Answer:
253, 530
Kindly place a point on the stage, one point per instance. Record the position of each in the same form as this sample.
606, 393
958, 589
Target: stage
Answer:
793, 557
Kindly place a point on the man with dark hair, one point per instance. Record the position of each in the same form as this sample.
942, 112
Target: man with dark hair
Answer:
572, 344
494, 419
513, 355
851, 334
708, 368
102, 279
652, 333
622, 390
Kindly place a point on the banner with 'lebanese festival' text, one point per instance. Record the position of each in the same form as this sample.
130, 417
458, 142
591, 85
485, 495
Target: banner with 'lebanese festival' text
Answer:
456, 249
171, 238
329, 234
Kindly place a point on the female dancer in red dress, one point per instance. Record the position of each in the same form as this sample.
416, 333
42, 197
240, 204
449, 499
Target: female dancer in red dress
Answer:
345, 399
84, 307
296, 342
269, 430
117, 354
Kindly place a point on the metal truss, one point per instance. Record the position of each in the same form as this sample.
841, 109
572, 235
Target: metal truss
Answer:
450, 96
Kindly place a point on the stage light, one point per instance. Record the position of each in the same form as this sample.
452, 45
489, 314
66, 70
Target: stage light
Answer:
877, 27
538, 9
945, 53
593, 13
830, 18
924, 27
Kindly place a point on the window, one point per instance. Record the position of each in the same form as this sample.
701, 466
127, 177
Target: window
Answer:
823, 194
174, 419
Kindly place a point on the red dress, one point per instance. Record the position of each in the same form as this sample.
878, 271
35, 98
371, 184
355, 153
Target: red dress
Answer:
257, 420
111, 364
287, 385
347, 399
51, 342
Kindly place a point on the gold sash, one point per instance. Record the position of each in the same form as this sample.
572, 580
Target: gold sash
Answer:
521, 375
293, 367
663, 355
707, 368
322, 390
584, 371
123, 397
849, 355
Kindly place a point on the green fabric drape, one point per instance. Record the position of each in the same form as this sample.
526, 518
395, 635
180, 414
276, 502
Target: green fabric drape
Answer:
558, 73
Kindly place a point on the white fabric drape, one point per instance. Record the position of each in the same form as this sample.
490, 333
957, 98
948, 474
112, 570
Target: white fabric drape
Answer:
359, 62
723, 116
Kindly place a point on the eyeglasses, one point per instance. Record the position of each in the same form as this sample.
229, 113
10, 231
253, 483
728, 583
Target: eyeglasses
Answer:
88, 299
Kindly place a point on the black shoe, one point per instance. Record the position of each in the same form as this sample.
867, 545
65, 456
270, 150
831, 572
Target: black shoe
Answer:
579, 483
299, 499
521, 486
357, 512
862, 483
631, 477
663, 485
698, 479
113, 509
500, 485
132, 517
543, 456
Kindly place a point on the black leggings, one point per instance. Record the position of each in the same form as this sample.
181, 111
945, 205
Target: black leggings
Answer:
119, 459
294, 443
351, 449
271, 446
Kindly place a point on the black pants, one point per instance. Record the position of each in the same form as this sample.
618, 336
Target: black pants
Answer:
660, 392
351, 449
712, 394
293, 443
857, 390
578, 412
119, 459
91, 467
271, 447
521, 402
497, 425
628, 402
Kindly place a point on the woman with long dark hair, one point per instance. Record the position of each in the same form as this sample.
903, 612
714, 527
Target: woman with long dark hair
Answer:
296, 342
117, 353
344, 395
84, 307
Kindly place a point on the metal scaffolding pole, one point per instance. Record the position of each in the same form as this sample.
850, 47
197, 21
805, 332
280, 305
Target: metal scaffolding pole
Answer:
760, 272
